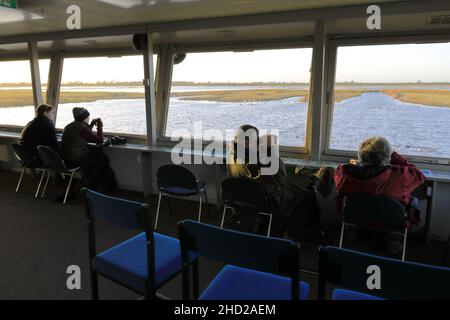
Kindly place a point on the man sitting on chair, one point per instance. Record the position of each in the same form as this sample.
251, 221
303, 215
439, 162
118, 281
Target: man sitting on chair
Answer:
380, 171
76, 151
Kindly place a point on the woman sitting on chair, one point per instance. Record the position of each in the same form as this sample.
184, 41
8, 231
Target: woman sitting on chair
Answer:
380, 171
292, 207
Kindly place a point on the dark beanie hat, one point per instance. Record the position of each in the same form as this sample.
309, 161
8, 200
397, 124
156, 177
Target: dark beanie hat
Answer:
80, 114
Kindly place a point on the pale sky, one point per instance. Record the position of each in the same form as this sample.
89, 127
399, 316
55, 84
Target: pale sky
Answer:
392, 63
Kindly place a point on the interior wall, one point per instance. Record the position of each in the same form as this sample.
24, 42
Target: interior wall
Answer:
129, 166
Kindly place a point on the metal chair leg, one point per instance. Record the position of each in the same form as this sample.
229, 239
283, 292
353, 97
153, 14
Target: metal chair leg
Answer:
200, 209
405, 235
157, 211
270, 225
68, 187
46, 184
342, 234
20, 179
206, 204
40, 183
223, 216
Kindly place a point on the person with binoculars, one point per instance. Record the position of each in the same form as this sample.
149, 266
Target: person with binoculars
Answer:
76, 152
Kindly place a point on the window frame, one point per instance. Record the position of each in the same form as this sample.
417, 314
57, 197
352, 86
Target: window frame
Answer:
344, 155
131, 137
15, 128
294, 151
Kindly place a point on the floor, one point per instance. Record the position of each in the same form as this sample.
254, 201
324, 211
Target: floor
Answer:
40, 238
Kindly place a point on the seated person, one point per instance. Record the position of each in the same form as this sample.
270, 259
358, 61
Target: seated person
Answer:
95, 164
379, 171
40, 131
293, 208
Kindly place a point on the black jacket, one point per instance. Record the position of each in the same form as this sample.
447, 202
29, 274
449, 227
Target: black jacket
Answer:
39, 131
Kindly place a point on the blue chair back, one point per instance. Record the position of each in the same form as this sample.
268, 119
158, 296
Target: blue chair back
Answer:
271, 255
51, 159
172, 175
399, 280
120, 212
244, 194
380, 212
125, 214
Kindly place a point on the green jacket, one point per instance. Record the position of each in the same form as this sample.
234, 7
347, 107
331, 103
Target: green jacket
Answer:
74, 146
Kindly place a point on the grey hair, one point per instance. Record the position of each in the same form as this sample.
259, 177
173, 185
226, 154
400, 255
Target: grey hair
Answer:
375, 151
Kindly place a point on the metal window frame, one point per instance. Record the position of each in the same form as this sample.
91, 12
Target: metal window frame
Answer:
329, 154
303, 43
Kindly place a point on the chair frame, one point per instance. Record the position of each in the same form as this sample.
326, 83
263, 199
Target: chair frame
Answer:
191, 270
24, 170
399, 282
151, 288
70, 173
162, 193
65, 172
227, 206
403, 234
22, 174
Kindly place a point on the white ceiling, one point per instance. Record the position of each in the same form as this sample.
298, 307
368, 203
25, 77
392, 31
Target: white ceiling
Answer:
96, 14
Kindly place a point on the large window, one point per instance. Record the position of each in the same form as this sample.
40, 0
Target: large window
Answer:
401, 92
110, 88
16, 95
223, 90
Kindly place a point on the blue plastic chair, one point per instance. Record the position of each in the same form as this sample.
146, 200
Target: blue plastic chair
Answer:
257, 267
177, 181
379, 213
399, 280
142, 263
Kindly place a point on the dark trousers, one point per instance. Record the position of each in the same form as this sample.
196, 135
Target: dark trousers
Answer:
303, 222
96, 170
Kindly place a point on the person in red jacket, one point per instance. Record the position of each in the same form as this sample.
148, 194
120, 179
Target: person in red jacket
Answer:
379, 171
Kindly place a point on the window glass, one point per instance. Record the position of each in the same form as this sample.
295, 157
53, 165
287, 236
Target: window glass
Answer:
109, 88
16, 95
401, 92
223, 90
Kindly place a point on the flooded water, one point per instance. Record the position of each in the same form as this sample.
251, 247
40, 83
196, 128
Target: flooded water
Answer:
412, 129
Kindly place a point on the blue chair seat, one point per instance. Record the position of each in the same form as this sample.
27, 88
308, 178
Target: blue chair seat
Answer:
127, 261
342, 294
236, 283
184, 192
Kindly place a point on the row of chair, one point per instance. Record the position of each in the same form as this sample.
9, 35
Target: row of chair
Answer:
49, 162
375, 212
256, 267
381, 213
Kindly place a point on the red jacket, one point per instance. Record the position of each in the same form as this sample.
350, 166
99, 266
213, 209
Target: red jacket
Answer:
396, 180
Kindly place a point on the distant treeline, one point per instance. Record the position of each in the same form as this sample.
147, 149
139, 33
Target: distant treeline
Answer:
206, 84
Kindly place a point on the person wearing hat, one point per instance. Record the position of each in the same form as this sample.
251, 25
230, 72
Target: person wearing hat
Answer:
40, 131
75, 149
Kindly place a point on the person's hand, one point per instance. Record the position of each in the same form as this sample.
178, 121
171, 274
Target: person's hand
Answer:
354, 162
99, 123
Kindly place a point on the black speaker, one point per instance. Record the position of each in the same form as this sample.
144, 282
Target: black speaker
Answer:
179, 57
139, 41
